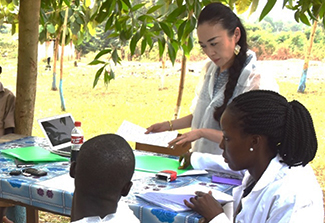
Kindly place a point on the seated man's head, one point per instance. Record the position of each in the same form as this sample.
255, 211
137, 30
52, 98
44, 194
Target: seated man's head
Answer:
102, 172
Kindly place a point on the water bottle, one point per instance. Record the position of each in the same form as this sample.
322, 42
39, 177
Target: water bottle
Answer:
77, 139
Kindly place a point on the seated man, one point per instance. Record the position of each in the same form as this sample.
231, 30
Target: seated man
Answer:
7, 109
102, 173
7, 125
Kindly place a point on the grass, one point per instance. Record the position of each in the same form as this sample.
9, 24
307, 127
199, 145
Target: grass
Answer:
143, 94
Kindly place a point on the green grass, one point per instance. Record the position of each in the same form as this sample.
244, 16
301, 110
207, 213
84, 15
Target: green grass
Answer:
313, 99
139, 94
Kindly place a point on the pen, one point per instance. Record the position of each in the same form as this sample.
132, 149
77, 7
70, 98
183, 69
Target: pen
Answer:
24, 165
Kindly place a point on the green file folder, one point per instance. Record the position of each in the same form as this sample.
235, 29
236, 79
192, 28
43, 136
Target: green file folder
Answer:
154, 164
33, 154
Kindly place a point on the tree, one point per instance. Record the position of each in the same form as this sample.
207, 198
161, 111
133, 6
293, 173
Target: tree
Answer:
27, 65
168, 17
302, 83
54, 25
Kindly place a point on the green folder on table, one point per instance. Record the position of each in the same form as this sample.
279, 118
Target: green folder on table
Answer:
154, 164
33, 154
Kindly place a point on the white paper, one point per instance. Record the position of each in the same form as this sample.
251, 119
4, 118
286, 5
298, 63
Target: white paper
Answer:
173, 199
134, 133
66, 183
193, 172
62, 182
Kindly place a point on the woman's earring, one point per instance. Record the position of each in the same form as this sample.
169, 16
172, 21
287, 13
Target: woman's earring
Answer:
237, 49
251, 149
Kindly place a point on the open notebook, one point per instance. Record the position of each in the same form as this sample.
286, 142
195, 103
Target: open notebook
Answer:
173, 199
57, 130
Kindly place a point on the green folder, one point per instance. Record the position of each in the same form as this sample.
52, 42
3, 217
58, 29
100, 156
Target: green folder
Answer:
33, 154
154, 164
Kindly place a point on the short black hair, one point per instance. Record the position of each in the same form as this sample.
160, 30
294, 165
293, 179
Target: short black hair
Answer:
288, 126
104, 165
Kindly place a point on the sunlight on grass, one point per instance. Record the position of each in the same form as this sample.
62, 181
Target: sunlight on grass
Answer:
313, 99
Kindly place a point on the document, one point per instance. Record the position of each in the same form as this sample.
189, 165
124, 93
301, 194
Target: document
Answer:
63, 182
135, 133
173, 199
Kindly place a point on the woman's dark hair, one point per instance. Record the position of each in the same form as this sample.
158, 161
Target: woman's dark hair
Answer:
288, 126
217, 13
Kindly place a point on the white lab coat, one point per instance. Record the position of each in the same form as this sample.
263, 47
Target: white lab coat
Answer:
204, 103
211, 162
282, 195
122, 214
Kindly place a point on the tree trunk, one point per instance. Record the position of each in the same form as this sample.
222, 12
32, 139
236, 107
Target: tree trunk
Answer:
302, 84
55, 58
181, 87
62, 58
27, 65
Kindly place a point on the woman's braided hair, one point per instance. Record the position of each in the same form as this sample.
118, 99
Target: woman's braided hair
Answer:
288, 126
217, 13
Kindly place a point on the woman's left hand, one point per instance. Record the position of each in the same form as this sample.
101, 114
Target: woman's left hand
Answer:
185, 138
205, 205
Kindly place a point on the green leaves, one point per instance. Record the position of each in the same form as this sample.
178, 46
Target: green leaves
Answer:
153, 9
167, 24
167, 30
161, 46
242, 6
267, 8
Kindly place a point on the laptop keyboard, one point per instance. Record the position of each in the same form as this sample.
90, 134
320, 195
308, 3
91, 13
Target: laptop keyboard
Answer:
66, 149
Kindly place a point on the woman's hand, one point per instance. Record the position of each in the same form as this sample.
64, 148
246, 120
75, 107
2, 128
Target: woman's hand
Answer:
186, 138
186, 158
158, 127
205, 205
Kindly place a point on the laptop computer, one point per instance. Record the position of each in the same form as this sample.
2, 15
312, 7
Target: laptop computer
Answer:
57, 130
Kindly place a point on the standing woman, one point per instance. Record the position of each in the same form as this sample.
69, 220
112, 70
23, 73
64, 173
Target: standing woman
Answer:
274, 140
230, 72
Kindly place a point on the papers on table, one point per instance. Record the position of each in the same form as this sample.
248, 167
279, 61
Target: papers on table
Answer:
135, 133
193, 173
63, 182
174, 199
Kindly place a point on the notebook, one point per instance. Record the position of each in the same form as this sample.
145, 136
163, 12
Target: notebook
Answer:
57, 130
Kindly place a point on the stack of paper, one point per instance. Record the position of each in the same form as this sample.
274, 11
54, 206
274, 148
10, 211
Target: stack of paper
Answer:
134, 133
174, 199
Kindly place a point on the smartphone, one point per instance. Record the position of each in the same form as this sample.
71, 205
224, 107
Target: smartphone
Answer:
22, 164
34, 172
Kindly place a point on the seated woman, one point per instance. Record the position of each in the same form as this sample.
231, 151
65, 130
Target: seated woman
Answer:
274, 140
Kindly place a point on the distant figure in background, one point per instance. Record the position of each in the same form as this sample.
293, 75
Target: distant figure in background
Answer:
48, 64
102, 173
7, 110
7, 126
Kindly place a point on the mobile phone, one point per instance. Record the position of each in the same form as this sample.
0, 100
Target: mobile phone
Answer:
35, 172
22, 164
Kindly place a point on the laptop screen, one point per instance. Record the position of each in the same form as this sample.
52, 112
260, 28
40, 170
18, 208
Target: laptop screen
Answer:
58, 129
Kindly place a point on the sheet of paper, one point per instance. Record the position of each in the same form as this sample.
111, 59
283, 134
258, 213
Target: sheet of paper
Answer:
134, 133
174, 199
62, 182
66, 183
193, 172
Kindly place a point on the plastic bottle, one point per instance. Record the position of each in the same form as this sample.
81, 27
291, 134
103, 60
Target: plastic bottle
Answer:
77, 139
